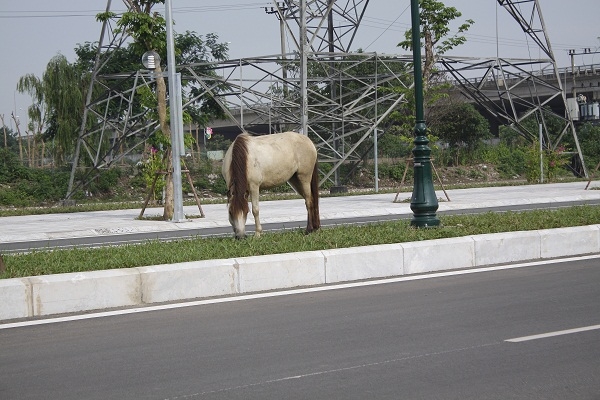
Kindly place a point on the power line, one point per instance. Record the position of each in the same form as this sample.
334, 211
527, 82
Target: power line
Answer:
388, 27
369, 22
45, 16
87, 13
394, 26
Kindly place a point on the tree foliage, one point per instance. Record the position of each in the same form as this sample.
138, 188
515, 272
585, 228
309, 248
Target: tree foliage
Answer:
589, 140
148, 31
435, 19
58, 101
59, 95
461, 125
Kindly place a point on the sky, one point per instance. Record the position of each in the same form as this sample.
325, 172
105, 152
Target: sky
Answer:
34, 31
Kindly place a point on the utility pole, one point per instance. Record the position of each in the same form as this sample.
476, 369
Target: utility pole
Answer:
574, 53
279, 12
573, 88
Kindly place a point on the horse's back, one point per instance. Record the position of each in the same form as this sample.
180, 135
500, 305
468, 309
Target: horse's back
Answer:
277, 157
277, 142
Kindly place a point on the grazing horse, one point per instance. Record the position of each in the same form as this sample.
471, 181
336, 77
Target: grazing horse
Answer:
255, 162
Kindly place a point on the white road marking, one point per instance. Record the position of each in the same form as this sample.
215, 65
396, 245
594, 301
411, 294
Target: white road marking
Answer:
551, 334
79, 317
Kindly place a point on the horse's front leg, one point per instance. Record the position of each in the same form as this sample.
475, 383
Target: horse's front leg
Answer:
254, 198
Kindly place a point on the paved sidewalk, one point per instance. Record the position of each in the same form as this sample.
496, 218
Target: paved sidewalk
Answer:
99, 223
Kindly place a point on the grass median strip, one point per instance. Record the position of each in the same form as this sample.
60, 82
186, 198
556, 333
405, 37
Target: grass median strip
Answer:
157, 252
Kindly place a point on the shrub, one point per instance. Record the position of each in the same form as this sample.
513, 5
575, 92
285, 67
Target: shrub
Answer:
511, 163
106, 182
148, 169
394, 171
219, 185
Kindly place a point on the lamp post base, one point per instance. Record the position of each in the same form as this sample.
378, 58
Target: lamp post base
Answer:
423, 202
426, 220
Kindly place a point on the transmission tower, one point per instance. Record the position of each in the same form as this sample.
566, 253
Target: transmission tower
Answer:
110, 137
263, 90
513, 90
344, 104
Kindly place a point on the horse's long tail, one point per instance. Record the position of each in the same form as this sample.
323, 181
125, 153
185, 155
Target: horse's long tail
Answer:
239, 182
314, 193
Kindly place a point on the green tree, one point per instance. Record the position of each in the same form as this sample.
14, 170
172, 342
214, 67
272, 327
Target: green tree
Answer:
148, 31
57, 107
512, 138
435, 19
461, 126
9, 137
589, 140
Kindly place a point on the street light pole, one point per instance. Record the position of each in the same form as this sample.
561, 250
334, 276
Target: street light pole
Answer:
423, 202
176, 118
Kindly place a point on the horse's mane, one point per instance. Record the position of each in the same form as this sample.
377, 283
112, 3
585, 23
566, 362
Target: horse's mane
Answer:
238, 185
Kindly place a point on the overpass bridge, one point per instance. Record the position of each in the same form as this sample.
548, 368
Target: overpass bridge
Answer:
581, 85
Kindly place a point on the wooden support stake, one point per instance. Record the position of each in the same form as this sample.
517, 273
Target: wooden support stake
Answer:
408, 162
592, 176
150, 192
190, 181
189, 177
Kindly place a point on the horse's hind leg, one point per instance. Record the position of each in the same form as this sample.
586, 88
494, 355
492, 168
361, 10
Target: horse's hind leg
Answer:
303, 188
254, 192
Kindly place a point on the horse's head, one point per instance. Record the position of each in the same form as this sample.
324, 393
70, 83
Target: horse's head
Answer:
238, 213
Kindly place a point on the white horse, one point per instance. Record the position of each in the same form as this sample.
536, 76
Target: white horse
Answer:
255, 162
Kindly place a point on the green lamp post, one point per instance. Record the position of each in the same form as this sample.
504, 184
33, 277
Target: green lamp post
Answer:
423, 202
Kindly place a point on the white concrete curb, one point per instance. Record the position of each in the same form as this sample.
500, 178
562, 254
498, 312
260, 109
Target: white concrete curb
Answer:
80, 292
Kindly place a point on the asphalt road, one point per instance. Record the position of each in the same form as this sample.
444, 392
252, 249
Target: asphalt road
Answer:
436, 338
132, 238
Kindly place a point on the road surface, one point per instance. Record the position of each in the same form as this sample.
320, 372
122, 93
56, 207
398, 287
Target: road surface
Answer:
445, 336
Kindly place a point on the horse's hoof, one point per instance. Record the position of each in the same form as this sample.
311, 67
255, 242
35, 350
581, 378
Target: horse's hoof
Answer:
310, 230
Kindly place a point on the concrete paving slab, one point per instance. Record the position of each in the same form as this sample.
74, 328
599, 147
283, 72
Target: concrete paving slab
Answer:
278, 271
506, 247
15, 299
188, 280
367, 262
438, 255
567, 241
77, 292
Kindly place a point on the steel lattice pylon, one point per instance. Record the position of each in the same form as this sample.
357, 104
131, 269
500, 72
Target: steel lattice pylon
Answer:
345, 105
515, 89
266, 89
349, 117
322, 34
